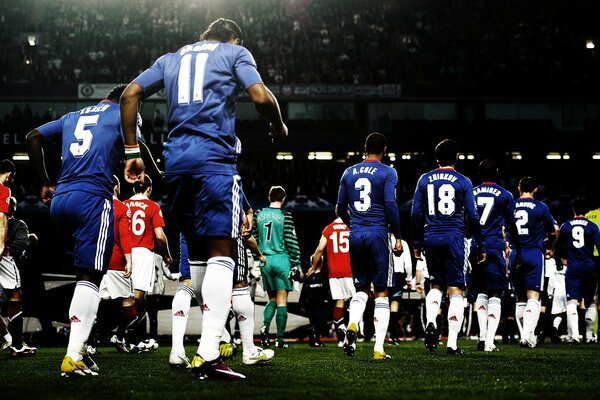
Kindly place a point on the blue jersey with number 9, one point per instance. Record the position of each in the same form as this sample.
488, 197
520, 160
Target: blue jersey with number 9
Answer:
92, 146
201, 83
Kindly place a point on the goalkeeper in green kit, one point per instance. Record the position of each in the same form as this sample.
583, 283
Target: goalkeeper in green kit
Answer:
275, 235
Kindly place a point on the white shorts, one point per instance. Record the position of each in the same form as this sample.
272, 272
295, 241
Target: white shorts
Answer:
10, 278
341, 288
115, 286
559, 303
142, 269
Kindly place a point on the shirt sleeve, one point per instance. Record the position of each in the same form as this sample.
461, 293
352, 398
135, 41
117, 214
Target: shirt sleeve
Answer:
417, 217
245, 69
290, 239
157, 218
391, 207
125, 231
152, 79
4, 198
51, 129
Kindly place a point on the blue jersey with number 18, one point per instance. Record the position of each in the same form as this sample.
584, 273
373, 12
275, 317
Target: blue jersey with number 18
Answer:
92, 146
201, 83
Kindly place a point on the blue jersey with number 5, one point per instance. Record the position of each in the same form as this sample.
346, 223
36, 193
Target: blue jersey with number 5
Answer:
201, 83
366, 190
92, 146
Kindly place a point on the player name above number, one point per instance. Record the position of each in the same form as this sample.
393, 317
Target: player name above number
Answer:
582, 222
525, 204
94, 109
487, 189
364, 170
445, 177
198, 47
138, 204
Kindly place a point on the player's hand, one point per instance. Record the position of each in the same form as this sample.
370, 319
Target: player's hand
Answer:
263, 261
134, 170
277, 133
127, 272
398, 249
482, 258
419, 288
408, 284
46, 192
168, 260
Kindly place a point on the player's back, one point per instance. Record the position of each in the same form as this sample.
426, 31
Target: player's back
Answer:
533, 220
270, 222
337, 250
364, 188
494, 206
202, 81
92, 145
145, 216
579, 235
441, 201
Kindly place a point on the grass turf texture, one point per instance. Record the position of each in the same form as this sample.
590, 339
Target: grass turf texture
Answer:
548, 372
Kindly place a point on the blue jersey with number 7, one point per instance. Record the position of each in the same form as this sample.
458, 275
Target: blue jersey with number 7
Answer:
201, 83
92, 146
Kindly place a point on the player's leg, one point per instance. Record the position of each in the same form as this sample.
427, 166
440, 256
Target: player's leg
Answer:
10, 281
268, 274
5, 334
588, 290
497, 284
455, 262
281, 317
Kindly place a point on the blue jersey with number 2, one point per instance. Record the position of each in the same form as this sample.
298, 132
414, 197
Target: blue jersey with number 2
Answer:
201, 83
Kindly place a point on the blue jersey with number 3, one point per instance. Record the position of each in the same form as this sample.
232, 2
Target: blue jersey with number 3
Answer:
201, 83
92, 146
365, 189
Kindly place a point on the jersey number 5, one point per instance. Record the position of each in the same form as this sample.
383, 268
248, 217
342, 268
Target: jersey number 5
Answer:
83, 135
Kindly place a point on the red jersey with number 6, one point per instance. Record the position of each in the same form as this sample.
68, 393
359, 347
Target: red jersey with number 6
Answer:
338, 257
145, 217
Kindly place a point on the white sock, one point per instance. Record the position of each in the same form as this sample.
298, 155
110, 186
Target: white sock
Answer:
530, 318
519, 310
243, 307
481, 306
357, 307
573, 319
180, 309
456, 314
381, 320
590, 321
225, 335
8, 337
216, 294
556, 322
433, 301
493, 320
82, 314
197, 273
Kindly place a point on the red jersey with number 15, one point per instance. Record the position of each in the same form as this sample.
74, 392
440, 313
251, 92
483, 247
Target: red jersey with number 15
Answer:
145, 217
338, 257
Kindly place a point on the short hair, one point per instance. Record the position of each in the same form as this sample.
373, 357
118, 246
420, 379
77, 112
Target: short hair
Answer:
527, 184
12, 205
276, 193
580, 206
488, 170
446, 152
223, 30
375, 143
115, 93
7, 166
140, 187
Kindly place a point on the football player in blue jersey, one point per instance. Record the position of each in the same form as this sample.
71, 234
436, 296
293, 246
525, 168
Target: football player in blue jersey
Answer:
443, 210
495, 205
81, 208
367, 204
575, 246
201, 82
533, 223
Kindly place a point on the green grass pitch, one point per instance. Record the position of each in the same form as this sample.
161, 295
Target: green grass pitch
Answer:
546, 372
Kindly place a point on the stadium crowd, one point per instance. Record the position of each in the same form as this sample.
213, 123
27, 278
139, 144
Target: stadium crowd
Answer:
428, 47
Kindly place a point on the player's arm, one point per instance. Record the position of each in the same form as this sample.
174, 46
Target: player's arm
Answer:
125, 241
163, 244
317, 256
407, 261
417, 221
473, 220
129, 103
290, 239
149, 160
253, 246
248, 222
3, 232
391, 209
20, 243
35, 150
341, 208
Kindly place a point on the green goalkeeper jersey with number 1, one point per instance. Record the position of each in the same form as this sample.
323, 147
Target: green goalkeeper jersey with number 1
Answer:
275, 234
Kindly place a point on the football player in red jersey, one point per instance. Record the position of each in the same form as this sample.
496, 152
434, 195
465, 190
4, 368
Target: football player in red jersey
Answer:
146, 225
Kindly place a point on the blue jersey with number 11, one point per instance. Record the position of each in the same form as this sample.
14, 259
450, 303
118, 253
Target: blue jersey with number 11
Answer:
92, 146
201, 83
